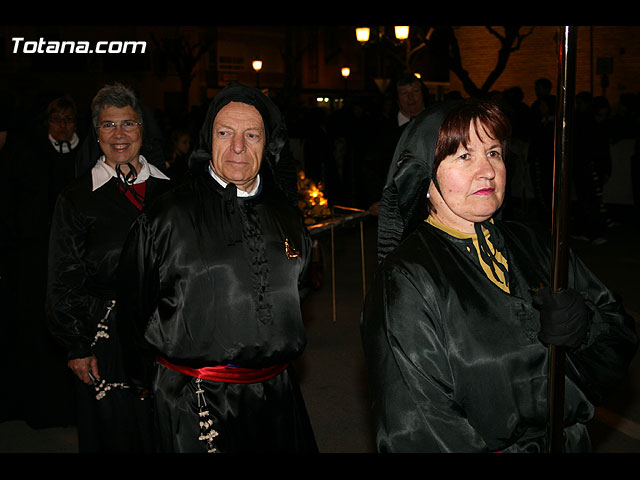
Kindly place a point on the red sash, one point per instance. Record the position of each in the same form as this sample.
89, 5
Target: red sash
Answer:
227, 373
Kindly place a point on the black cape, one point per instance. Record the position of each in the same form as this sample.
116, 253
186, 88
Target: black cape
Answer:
205, 281
87, 233
35, 173
455, 364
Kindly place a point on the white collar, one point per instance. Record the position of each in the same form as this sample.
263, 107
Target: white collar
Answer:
402, 119
102, 172
241, 193
65, 147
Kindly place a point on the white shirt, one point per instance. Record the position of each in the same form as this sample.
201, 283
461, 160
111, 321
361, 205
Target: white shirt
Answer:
241, 193
102, 172
402, 119
65, 146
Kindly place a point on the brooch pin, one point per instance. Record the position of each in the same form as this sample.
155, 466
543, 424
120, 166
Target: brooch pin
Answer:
290, 250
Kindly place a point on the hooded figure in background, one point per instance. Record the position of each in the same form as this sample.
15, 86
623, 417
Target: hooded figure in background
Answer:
211, 282
455, 325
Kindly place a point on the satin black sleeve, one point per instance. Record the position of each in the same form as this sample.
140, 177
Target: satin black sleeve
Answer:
67, 302
602, 361
409, 375
137, 294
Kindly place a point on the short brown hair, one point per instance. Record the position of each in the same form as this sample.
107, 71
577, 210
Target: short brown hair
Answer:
61, 104
456, 127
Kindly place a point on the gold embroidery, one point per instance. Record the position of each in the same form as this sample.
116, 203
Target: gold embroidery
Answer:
290, 250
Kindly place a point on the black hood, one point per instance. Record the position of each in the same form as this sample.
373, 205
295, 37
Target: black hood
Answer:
404, 198
277, 162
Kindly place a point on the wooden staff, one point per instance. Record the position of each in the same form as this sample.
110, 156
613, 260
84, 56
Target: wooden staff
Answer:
561, 192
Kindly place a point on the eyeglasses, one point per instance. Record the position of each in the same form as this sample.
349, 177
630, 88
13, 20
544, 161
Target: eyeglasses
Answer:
67, 120
127, 126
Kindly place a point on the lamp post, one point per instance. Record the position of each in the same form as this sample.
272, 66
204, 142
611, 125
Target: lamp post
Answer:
257, 66
401, 35
362, 34
345, 72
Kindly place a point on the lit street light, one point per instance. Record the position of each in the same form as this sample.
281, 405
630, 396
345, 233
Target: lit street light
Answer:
257, 66
346, 71
401, 34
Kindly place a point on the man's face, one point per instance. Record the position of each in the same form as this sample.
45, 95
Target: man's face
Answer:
410, 99
62, 124
238, 144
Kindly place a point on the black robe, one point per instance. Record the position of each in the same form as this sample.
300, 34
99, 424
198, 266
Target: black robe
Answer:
199, 296
87, 233
35, 173
455, 364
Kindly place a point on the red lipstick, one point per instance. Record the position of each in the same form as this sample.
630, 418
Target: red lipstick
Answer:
485, 191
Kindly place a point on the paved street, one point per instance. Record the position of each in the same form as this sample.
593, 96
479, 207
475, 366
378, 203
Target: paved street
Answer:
617, 263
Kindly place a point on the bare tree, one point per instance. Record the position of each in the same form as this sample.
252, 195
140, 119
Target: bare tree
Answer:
510, 41
183, 55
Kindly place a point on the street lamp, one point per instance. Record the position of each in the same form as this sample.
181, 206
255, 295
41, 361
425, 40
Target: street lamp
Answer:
346, 71
362, 34
402, 33
257, 66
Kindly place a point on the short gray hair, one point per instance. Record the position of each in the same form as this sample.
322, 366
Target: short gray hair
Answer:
116, 95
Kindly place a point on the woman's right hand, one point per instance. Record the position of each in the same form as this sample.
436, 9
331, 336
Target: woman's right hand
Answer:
84, 368
564, 317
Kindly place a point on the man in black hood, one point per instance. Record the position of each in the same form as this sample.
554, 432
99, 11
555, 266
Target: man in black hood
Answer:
210, 288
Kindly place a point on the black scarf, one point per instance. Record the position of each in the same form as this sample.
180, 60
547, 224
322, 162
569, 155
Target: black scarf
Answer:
485, 251
127, 180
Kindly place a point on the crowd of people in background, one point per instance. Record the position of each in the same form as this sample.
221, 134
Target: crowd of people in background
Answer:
358, 141
346, 150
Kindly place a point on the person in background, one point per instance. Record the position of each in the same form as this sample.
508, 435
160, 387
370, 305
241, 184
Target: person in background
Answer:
591, 168
176, 163
51, 152
91, 220
543, 90
540, 156
210, 288
411, 102
38, 161
457, 322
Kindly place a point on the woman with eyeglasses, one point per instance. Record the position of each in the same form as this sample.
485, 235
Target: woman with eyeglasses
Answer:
91, 220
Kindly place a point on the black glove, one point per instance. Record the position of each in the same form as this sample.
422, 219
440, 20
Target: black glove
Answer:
564, 317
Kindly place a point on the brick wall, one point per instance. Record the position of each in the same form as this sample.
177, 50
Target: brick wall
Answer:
538, 57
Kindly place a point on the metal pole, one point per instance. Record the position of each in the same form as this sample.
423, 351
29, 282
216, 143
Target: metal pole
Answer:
364, 274
561, 191
333, 275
